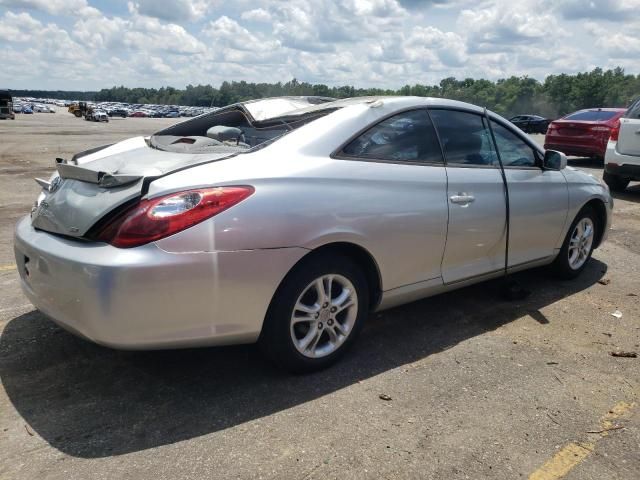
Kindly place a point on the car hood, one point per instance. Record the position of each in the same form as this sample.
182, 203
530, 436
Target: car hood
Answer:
98, 181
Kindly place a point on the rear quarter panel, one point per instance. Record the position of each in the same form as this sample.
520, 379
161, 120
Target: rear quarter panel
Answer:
398, 213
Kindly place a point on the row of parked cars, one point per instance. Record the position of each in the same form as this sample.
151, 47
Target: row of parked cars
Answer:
115, 109
29, 108
611, 135
112, 109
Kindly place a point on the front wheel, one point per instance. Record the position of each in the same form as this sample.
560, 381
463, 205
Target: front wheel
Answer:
316, 314
615, 182
578, 245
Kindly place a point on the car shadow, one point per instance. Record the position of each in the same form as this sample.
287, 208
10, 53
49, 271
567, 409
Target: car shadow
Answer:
88, 401
590, 162
630, 194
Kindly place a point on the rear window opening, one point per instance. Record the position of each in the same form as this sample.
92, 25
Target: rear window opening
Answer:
235, 129
592, 116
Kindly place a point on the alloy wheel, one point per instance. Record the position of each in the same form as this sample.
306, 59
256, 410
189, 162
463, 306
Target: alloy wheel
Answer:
324, 315
580, 243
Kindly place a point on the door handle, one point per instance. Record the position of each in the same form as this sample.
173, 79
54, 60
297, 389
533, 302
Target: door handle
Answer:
462, 199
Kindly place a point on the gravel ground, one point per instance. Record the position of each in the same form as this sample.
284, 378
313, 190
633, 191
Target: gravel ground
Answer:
479, 387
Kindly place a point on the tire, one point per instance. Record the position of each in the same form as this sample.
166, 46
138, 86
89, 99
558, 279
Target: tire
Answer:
577, 248
326, 334
615, 182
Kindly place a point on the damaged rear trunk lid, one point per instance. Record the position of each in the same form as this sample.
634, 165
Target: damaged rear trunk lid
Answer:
83, 193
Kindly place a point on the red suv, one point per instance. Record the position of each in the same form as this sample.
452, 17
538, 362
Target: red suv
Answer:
583, 133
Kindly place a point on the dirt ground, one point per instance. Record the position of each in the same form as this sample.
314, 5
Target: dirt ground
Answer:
479, 387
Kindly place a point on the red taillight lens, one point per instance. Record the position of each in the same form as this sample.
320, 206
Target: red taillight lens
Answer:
160, 217
615, 132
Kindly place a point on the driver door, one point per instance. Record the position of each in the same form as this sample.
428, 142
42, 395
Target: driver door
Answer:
538, 199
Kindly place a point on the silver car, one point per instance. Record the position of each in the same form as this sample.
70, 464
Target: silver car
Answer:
286, 221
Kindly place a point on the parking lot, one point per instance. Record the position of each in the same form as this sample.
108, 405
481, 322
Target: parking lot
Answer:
473, 386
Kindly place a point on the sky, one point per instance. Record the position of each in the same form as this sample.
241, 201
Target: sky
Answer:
93, 44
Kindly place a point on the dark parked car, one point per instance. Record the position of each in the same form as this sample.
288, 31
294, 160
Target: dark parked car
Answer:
6, 106
531, 123
584, 133
118, 112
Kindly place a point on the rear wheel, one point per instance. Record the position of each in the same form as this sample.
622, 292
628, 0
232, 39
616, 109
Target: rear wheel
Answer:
578, 245
316, 314
615, 182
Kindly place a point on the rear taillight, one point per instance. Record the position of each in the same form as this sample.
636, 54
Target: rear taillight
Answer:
615, 132
160, 217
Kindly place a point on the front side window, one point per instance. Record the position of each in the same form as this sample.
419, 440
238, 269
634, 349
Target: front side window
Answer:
465, 138
405, 137
514, 152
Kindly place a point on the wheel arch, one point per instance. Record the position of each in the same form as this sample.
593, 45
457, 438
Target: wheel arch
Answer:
360, 255
599, 208
364, 259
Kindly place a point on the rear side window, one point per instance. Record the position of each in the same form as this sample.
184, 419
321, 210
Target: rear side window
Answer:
465, 137
634, 110
591, 116
405, 137
514, 151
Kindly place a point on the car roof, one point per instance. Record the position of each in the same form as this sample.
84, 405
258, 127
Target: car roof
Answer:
388, 100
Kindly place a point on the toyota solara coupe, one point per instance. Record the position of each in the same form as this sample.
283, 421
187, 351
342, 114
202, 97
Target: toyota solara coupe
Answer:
286, 221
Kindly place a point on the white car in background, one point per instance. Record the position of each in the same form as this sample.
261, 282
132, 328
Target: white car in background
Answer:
100, 116
622, 159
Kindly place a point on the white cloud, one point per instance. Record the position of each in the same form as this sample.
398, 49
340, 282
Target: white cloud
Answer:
619, 44
506, 24
256, 15
18, 27
54, 7
173, 10
600, 10
386, 43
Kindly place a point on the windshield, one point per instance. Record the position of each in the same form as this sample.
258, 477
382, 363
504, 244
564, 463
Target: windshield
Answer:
592, 115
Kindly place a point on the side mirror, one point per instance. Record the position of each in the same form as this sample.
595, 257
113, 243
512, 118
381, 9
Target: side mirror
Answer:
554, 160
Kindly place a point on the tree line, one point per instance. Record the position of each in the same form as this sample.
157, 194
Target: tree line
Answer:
557, 95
